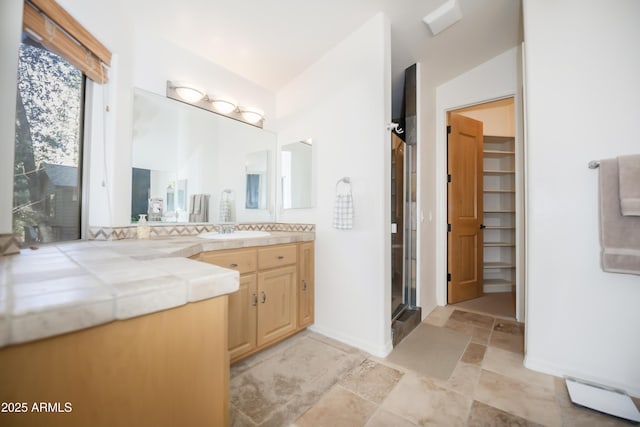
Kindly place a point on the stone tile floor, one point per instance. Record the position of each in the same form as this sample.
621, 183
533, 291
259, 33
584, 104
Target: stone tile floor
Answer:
335, 385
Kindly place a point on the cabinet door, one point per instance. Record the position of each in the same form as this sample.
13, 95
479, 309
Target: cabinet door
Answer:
277, 303
306, 286
243, 317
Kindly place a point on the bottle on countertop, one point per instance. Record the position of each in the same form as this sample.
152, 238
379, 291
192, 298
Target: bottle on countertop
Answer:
143, 230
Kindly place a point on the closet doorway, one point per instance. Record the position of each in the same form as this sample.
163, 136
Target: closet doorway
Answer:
481, 208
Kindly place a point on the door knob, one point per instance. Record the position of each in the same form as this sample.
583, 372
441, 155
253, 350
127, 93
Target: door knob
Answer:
482, 226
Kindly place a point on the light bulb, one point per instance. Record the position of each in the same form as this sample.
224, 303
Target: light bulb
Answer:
224, 106
188, 92
251, 116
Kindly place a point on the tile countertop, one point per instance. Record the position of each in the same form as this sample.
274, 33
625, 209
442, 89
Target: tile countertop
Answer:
70, 286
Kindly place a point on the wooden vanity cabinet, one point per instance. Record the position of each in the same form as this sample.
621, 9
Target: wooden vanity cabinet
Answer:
275, 298
306, 287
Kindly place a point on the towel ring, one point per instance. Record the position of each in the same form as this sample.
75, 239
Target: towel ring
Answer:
344, 179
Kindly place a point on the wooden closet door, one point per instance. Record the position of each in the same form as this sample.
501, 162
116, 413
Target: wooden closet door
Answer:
464, 199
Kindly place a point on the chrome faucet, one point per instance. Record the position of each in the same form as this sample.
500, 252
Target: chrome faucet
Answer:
226, 228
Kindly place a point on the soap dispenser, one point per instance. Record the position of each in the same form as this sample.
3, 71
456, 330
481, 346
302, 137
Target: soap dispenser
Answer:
143, 230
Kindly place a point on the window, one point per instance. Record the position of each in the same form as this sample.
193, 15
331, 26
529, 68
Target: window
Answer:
48, 154
57, 56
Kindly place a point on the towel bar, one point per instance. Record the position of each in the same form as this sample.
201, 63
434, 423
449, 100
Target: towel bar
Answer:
594, 164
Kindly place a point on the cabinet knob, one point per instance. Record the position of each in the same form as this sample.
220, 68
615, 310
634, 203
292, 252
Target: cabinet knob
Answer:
254, 299
233, 265
264, 297
280, 256
304, 285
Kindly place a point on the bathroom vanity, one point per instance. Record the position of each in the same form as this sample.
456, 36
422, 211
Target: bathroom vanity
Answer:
134, 332
276, 295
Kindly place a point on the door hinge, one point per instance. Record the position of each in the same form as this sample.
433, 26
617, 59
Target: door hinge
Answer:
449, 129
449, 178
448, 277
448, 227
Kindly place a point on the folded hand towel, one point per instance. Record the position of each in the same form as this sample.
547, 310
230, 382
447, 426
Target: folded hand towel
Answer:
629, 179
619, 235
199, 209
343, 209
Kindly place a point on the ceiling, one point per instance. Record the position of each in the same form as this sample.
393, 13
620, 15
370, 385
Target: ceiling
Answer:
271, 41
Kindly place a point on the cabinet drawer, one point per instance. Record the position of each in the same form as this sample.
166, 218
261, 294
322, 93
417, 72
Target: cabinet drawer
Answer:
275, 256
243, 261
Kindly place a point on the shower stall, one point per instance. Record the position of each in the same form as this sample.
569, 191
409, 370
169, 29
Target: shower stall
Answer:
403, 204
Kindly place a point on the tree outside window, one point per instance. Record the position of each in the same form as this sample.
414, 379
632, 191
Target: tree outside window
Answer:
48, 150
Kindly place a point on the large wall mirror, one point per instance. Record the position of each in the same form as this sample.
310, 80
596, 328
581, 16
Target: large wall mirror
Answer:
189, 164
296, 174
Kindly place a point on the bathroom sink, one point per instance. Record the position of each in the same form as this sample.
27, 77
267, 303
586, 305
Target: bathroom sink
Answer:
241, 234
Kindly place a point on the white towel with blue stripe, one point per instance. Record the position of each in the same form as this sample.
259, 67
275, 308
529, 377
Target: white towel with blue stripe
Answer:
343, 209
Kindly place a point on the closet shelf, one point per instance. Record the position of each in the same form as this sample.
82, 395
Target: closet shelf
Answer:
498, 153
499, 244
498, 265
498, 172
499, 139
497, 190
498, 282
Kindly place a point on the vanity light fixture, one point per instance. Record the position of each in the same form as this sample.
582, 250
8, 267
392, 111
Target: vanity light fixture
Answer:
251, 115
222, 105
188, 92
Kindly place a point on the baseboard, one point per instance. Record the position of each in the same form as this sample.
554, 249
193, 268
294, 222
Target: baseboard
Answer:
377, 351
559, 371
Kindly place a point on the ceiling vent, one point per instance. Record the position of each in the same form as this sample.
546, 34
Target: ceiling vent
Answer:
443, 17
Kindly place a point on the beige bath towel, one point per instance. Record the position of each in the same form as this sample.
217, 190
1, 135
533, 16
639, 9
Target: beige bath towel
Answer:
619, 235
629, 177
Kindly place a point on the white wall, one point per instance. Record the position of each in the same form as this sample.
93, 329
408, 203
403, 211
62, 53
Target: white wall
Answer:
582, 67
10, 29
494, 79
343, 102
